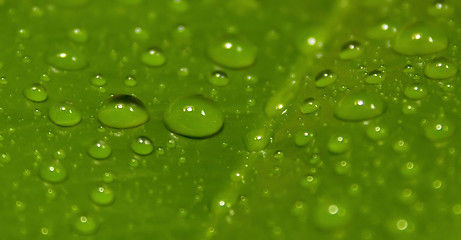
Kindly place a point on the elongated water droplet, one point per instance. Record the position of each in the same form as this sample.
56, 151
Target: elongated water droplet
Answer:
359, 106
194, 116
232, 52
351, 50
375, 77
415, 91
420, 38
67, 58
123, 111
257, 139
310, 105
218, 78
325, 78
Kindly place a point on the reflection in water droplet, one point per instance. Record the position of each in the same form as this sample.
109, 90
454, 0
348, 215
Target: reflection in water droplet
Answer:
142, 146
257, 139
420, 38
218, 78
351, 50
325, 78
123, 111
232, 52
53, 172
99, 150
153, 58
375, 77
36, 92
440, 68
64, 114
310, 105
359, 106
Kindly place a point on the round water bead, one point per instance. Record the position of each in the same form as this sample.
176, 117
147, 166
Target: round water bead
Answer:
194, 116
338, 144
86, 225
232, 52
375, 77
123, 111
67, 58
310, 105
420, 38
64, 114
359, 106
153, 58
331, 216
53, 172
218, 78
99, 150
142, 146
415, 91
325, 78
440, 68
439, 130
257, 139
102, 196
302, 138
351, 50
36, 93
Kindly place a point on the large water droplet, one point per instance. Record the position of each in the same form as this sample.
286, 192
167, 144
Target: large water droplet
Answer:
67, 58
64, 114
257, 139
359, 106
123, 111
440, 68
194, 116
232, 52
420, 38
36, 92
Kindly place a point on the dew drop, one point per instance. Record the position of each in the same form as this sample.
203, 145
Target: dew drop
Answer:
153, 58
420, 38
310, 40
142, 146
139, 34
102, 196
375, 77
98, 80
232, 52
218, 78
415, 91
36, 93
440, 68
194, 116
310, 105
302, 138
257, 139
53, 172
325, 78
439, 130
351, 50
85, 225
123, 111
78, 35
338, 144
278, 103
130, 81
67, 58
331, 216
377, 131
99, 150
359, 106
64, 114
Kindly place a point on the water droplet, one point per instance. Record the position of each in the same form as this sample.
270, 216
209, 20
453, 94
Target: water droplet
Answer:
67, 58
53, 172
338, 144
218, 78
153, 58
359, 106
325, 78
383, 30
331, 216
302, 138
420, 38
5, 158
310, 105
257, 139
415, 91
139, 34
130, 81
123, 111
342, 167
64, 114
440, 68
377, 131
401, 146
36, 92
108, 177
179, 5
440, 8
102, 196
85, 225
194, 116
99, 150
232, 52
375, 77
78, 35
98, 80
142, 146
439, 130
310, 40
351, 50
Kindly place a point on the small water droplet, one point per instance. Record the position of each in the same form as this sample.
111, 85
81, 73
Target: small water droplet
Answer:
331, 216
415, 91
86, 225
257, 139
67, 58
78, 35
53, 172
153, 58
98, 80
302, 138
310, 105
375, 77
338, 144
218, 78
377, 131
99, 150
351, 50
102, 196
440, 68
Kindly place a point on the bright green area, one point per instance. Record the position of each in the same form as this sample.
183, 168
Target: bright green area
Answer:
279, 152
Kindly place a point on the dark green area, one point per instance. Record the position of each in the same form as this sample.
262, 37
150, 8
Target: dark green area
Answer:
397, 177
